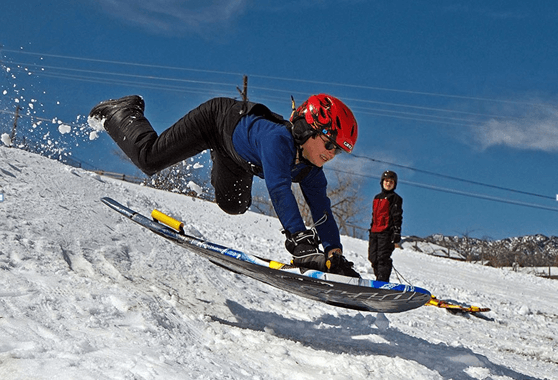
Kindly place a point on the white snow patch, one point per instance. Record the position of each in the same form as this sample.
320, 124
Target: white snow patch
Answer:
6, 139
64, 128
195, 187
96, 124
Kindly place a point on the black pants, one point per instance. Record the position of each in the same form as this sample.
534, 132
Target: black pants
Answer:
202, 128
380, 249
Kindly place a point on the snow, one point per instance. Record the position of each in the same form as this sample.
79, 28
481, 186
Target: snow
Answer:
195, 187
87, 294
5, 138
64, 128
97, 125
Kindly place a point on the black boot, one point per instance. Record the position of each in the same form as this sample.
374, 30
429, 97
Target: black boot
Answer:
118, 107
127, 126
118, 115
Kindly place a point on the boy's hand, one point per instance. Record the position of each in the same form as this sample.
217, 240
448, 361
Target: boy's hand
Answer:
337, 263
396, 237
333, 258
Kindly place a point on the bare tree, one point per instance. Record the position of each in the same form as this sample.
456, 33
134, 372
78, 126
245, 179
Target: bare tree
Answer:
470, 247
346, 202
262, 205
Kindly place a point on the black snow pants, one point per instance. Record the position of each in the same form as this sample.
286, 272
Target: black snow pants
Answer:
205, 127
380, 249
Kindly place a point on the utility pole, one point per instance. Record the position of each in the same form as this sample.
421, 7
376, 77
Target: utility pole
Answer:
12, 136
244, 91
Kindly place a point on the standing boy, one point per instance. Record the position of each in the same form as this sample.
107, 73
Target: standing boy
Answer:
385, 229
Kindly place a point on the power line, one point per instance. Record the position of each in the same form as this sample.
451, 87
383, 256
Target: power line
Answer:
453, 191
427, 108
34, 117
122, 63
102, 79
411, 92
153, 86
384, 113
454, 178
480, 196
121, 74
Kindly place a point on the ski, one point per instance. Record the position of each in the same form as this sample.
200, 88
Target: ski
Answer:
333, 289
454, 307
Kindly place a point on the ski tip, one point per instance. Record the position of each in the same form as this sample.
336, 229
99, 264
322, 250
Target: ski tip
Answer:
108, 201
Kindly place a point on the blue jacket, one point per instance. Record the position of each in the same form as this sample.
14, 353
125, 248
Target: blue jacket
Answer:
271, 146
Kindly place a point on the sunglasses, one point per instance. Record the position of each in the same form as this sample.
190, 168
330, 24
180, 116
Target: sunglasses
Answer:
330, 145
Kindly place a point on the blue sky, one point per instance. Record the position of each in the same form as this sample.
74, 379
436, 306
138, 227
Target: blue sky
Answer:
441, 89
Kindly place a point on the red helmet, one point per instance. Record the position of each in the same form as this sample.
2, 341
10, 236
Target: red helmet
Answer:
331, 117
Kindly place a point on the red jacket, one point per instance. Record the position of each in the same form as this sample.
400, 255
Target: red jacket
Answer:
387, 212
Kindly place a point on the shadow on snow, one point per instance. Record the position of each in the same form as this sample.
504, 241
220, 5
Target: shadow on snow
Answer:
348, 334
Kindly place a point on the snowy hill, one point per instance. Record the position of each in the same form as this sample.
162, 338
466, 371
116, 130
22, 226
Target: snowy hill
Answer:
86, 294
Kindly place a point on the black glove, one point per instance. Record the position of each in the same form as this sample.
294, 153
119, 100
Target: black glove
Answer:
302, 243
396, 237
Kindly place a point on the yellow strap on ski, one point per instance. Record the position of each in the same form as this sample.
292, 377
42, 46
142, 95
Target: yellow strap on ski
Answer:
167, 220
276, 265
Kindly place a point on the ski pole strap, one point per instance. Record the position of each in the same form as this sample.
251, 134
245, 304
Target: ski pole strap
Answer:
167, 220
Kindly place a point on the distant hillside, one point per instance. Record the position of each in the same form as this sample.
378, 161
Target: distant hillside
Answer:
524, 251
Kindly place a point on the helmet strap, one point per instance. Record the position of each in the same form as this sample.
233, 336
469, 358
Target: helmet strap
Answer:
293, 107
